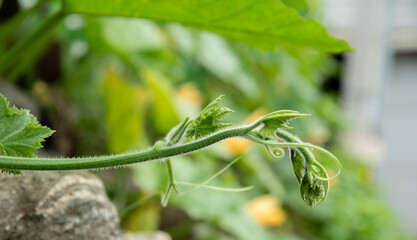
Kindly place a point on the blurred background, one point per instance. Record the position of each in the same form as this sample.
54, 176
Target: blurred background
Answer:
379, 82
110, 85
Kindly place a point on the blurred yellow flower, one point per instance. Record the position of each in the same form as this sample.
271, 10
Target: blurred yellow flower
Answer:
260, 112
236, 146
267, 211
189, 93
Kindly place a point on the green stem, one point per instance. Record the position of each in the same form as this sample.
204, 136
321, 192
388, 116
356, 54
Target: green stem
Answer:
171, 175
224, 189
197, 186
165, 197
10, 57
171, 184
25, 163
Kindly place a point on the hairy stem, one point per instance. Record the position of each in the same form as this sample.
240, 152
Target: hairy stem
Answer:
25, 163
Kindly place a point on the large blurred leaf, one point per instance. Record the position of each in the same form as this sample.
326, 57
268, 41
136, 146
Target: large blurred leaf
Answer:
137, 34
125, 115
164, 114
264, 24
217, 57
145, 219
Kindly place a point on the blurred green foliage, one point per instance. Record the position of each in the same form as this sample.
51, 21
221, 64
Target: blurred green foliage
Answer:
130, 81
263, 24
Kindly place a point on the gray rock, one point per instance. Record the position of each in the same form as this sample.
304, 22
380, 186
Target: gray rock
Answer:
46, 205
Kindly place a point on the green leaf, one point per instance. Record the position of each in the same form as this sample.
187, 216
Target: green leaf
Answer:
176, 134
301, 6
277, 120
164, 112
261, 23
313, 190
298, 165
209, 120
20, 133
307, 170
124, 113
311, 175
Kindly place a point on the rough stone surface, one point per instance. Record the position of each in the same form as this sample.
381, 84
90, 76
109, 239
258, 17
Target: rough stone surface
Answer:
56, 206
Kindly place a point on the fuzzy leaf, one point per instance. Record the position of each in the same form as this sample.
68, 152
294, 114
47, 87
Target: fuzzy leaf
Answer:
298, 165
261, 23
277, 120
307, 170
177, 133
20, 133
313, 190
209, 120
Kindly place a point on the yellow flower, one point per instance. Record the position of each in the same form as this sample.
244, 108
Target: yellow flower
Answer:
189, 93
260, 112
237, 146
267, 211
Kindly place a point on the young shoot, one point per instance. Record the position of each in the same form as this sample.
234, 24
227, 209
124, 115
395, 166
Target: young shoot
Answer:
21, 135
